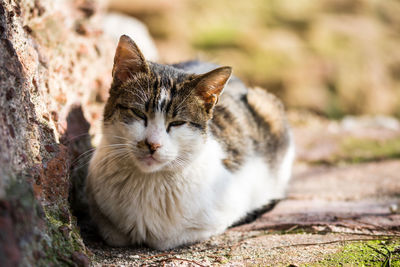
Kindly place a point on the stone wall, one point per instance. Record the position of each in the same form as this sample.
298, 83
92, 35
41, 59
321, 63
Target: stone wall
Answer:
54, 59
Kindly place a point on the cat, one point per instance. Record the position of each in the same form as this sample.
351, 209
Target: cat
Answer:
179, 161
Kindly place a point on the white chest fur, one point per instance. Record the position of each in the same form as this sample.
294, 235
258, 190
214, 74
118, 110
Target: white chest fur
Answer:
166, 210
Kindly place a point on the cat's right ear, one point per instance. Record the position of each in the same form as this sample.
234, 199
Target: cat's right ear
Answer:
128, 60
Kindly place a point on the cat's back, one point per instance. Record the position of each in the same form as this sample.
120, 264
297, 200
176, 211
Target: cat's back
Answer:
248, 122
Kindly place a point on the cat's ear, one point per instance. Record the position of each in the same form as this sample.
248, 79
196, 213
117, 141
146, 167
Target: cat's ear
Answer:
128, 60
210, 85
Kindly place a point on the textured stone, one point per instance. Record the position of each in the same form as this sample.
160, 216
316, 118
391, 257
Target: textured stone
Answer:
9, 251
46, 66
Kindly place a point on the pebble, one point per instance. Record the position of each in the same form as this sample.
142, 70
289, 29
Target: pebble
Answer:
134, 256
394, 208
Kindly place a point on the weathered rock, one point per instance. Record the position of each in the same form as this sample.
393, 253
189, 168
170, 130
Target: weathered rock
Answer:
52, 55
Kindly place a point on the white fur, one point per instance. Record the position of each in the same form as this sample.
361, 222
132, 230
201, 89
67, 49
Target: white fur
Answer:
163, 95
172, 203
285, 169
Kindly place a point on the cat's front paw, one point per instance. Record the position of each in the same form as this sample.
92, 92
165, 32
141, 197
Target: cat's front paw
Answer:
115, 239
112, 236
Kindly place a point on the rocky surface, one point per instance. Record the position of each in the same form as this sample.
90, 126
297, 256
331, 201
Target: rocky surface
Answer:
53, 57
47, 56
336, 210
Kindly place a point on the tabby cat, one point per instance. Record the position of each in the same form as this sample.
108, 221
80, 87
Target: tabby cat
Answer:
178, 160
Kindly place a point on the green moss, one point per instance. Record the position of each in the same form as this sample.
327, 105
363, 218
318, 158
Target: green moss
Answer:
361, 150
290, 231
370, 253
62, 245
48, 236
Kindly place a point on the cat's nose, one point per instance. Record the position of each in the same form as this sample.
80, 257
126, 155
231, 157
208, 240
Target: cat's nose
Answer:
152, 146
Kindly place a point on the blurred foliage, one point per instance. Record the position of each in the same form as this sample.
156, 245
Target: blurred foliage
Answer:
362, 150
333, 57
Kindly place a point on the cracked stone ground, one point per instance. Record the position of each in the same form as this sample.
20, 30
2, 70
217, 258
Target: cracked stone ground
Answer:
342, 207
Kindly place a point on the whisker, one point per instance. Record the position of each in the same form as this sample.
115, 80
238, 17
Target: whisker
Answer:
83, 160
82, 156
71, 139
184, 100
111, 157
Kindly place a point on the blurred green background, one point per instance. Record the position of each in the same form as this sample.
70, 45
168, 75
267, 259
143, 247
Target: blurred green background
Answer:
332, 57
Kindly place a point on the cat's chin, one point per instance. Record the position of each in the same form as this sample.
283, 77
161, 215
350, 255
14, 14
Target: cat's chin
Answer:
149, 164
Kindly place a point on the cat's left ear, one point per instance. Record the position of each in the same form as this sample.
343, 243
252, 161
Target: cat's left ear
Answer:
210, 85
128, 60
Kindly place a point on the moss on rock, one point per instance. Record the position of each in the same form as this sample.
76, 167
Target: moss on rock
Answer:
46, 236
370, 253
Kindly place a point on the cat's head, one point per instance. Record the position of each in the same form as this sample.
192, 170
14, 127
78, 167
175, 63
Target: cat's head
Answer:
156, 115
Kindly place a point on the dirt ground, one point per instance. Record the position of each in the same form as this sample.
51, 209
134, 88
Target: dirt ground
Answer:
342, 207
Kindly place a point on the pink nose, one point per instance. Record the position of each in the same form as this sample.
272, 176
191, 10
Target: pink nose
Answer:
152, 146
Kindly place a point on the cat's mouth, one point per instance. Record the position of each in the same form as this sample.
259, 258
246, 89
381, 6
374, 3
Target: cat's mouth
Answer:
149, 163
149, 160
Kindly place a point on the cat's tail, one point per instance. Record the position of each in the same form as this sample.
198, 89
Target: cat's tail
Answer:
270, 109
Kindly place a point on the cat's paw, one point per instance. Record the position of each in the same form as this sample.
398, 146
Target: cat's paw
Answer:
116, 239
113, 237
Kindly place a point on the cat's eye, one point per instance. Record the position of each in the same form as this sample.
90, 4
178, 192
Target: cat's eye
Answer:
175, 124
137, 113
121, 106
